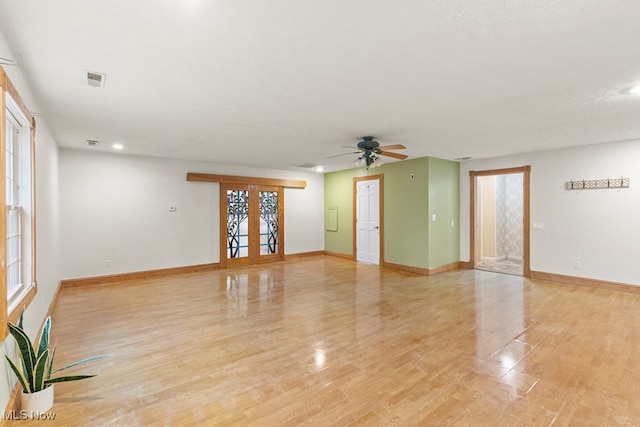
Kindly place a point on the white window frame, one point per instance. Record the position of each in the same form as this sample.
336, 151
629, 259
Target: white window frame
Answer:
16, 122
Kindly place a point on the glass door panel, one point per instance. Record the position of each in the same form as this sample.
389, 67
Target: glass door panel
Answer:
268, 222
237, 224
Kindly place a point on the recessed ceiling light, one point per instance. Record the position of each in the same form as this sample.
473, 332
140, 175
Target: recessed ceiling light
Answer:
318, 169
635, 90
117, 146
630, 90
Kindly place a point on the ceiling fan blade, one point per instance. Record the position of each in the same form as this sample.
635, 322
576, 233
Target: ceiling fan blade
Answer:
343, 154
393, 147
396, 155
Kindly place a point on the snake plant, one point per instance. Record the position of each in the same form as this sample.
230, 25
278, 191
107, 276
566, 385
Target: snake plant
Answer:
37, 362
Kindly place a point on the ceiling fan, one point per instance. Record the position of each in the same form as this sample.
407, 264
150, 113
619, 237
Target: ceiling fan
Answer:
370, 152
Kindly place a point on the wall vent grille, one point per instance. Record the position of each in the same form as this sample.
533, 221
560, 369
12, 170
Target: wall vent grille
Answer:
307, 165
96, 79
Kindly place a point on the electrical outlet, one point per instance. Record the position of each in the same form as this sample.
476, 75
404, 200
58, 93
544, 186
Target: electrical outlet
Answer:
577, 264
107, 263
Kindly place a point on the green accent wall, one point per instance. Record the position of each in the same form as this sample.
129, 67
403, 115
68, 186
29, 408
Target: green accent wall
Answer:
444, 202
338, 192
411, 238
406, 231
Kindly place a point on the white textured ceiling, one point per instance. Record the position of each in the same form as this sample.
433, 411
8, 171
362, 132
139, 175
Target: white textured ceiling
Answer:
273, 83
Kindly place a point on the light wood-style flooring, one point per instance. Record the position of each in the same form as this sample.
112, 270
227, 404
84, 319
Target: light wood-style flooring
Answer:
505, 266
324, 341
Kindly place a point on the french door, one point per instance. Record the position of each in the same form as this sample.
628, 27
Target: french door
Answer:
251, 224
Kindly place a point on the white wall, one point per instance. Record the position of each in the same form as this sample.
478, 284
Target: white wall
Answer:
599, 227
47, 215
116, 207
47, 221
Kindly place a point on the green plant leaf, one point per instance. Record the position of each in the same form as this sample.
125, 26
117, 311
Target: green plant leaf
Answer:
89, 359
43, 342
27, 354
20, 320
19, 374
67, 378
52, 355
39, 371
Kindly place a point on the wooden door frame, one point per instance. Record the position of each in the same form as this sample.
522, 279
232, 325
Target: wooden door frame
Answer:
526, 212
254, 256
380, 178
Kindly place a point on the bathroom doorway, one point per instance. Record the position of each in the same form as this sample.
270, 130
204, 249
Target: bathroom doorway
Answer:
499, 220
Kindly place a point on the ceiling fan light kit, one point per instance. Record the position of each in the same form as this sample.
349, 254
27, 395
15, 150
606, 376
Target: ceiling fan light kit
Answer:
371, 161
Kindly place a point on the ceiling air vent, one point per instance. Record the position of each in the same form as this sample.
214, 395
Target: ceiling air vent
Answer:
96, 79
92, 143
306, 165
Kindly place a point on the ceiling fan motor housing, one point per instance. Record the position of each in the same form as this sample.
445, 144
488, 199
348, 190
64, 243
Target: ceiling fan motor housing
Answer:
369, 145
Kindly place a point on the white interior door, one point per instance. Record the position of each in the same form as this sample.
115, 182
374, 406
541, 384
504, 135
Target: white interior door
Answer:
368, 221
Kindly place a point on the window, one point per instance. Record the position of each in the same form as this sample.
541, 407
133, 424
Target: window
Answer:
14, 234
17, 280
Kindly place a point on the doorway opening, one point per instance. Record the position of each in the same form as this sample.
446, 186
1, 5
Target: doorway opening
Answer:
499, 220
368, 241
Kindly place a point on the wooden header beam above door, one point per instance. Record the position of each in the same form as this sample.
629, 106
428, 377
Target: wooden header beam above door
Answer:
231, 179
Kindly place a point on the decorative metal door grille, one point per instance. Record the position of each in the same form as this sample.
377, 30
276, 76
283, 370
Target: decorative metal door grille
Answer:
268, 222
237, 223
